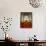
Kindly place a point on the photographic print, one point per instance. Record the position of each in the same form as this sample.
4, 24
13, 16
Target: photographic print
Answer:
26, 20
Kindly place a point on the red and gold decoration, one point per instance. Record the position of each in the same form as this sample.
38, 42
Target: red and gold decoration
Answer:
26, 20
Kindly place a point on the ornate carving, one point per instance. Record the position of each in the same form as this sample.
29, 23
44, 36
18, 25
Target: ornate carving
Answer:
35, 3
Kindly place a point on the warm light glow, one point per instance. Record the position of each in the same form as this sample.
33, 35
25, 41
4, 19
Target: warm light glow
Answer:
26, 18
7, 35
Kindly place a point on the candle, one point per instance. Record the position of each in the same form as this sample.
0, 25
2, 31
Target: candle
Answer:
7, 35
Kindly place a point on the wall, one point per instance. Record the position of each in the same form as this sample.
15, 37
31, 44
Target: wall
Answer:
12, 8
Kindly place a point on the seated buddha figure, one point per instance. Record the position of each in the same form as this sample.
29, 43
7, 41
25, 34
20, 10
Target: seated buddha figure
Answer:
26, 23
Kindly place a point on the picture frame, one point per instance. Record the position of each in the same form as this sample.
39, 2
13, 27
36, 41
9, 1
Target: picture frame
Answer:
26, 20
